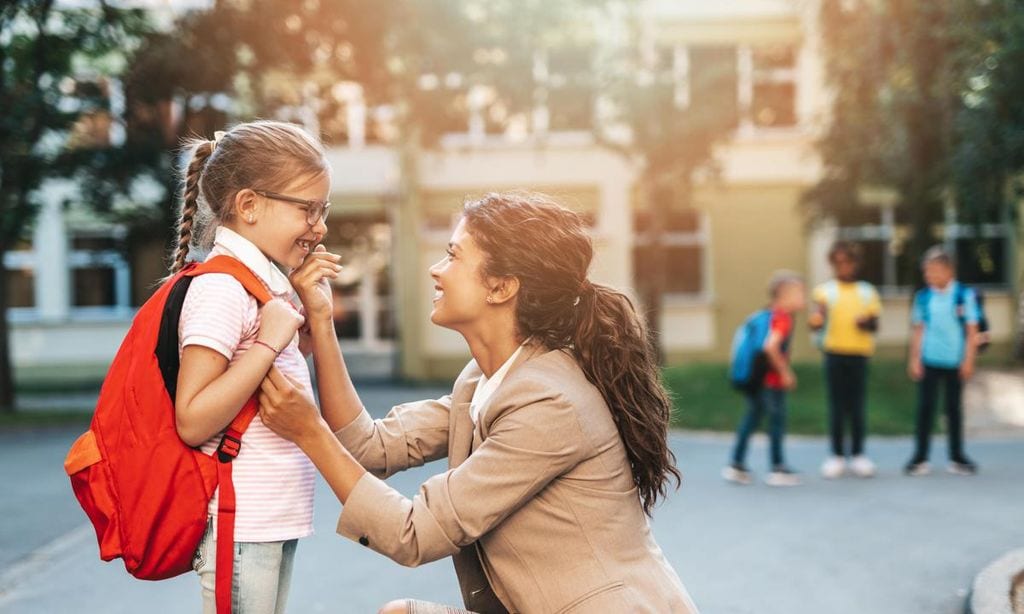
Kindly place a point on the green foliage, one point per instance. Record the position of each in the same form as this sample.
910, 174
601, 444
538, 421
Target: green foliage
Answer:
926, 107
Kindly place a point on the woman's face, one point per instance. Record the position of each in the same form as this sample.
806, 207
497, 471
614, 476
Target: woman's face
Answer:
460, 294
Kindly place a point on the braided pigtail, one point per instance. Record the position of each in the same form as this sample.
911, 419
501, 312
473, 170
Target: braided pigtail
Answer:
190, 203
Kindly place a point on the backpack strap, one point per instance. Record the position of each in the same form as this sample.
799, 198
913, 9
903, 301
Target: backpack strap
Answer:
921, 299
231, 442
867, 294
235, 268
226, 452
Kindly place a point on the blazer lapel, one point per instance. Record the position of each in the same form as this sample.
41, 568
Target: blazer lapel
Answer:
531, 350
460, 433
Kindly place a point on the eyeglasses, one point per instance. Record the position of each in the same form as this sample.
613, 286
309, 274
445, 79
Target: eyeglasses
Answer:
316, 210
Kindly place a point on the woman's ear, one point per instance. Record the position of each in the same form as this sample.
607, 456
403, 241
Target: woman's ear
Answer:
504, 290
246, 205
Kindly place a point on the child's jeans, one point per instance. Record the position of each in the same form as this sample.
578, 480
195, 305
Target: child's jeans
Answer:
262, 575
846, 377
928, 390
759, 402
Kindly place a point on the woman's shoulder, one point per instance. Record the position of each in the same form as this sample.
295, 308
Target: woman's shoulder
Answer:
555, 375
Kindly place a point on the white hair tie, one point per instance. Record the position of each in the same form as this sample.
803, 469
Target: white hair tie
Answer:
217, 136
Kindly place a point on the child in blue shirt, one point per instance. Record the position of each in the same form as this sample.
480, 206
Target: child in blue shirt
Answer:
943, 347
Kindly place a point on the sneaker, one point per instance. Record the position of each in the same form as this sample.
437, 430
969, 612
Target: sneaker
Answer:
737, 474
782, 475
862, 466
833, 467
962, 466
917, 468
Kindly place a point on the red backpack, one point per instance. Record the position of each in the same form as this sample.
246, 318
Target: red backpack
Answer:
145, 491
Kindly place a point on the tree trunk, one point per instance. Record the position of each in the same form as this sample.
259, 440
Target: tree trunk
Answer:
6, 367
652, 281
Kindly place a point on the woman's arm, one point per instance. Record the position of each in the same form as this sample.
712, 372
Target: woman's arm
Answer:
534, 439
210, 393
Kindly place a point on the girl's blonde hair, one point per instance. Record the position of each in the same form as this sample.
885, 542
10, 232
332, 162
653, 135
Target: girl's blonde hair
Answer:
259, 155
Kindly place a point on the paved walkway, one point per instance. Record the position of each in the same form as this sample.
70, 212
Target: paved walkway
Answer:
888, 545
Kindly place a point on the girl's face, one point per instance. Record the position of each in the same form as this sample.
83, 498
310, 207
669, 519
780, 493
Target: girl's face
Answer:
844, 267
460, 294
281, 229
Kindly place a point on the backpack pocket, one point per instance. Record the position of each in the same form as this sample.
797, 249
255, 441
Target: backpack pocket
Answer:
93, 486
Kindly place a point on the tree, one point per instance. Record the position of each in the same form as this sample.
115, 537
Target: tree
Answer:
926, 106
670, 134
41, 49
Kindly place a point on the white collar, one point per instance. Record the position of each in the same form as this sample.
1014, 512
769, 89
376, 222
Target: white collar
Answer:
487, 385
230, 242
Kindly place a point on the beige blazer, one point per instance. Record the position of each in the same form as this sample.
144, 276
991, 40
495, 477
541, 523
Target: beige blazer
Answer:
538, 503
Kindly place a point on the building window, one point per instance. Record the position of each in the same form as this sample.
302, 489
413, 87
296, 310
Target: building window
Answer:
712, 77
766, 86
21, 278
100, 275
685, 243
982, 252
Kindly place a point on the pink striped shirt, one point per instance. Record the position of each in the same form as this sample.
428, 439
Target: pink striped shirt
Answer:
273, 479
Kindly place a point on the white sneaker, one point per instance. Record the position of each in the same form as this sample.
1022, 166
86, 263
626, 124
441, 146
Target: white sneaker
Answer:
833, 467
782, 476
737, 474
862, 466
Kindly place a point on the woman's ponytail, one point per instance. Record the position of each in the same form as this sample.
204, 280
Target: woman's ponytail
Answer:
613, 347
547, 248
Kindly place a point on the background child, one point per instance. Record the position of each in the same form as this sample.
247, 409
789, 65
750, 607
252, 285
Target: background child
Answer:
258, 193
846, 313
942, 351
788, 297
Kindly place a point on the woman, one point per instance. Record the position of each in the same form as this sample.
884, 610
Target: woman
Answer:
555, 432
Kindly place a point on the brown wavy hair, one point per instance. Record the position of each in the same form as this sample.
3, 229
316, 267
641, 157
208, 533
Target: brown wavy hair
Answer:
546, 247
261, 155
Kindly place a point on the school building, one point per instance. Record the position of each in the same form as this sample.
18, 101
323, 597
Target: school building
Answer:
393, 210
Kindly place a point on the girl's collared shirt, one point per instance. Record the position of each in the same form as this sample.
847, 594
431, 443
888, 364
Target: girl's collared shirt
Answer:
273, 479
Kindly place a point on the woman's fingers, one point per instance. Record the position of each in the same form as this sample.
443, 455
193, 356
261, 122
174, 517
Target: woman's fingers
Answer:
278, 379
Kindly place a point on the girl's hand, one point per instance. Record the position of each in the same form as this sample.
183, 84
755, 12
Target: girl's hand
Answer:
278, 323
788, 378
915, 370
286, 407
311, 282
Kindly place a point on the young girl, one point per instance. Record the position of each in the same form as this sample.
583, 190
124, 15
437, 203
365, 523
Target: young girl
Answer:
257, 193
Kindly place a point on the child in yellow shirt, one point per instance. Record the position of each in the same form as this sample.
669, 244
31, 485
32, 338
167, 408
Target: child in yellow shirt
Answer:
845, 314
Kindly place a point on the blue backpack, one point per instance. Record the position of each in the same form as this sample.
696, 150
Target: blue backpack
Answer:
924, 295
748, 363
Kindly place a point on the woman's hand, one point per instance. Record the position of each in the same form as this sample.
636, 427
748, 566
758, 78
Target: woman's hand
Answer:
311, 282
287, 408
278, 323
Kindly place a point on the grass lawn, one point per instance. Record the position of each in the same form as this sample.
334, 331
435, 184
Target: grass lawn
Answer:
704, 399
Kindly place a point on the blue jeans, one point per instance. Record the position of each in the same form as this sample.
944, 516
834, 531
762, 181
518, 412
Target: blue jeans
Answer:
262, 575
759, 402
